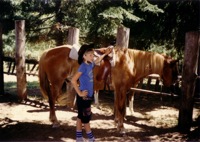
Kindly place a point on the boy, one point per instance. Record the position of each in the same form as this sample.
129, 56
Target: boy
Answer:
85, 90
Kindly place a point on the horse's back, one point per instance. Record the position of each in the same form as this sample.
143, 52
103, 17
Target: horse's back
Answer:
57, 64
55, 56
56, 53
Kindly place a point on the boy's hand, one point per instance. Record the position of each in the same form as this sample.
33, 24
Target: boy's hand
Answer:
84, 93
108, 51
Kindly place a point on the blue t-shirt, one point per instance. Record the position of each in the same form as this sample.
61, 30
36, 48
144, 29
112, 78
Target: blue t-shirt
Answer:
86, 78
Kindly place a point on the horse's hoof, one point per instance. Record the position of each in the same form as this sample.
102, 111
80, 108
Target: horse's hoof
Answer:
97, 106
56, 125
123, 132
124, 135
116, 124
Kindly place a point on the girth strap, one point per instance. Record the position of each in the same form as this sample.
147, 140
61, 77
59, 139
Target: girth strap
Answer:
104, 70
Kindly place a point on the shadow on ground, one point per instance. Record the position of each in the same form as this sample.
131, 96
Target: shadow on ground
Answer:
14, 130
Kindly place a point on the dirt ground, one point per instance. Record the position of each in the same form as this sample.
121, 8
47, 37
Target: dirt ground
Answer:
155, 118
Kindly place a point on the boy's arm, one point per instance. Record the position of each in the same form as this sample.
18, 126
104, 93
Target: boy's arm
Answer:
108, 51
83, 93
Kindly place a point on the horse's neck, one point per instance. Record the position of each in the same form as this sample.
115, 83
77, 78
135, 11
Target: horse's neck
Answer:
148, 63
155, 64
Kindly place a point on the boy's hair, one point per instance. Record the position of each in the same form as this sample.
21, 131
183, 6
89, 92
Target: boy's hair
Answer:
84, 48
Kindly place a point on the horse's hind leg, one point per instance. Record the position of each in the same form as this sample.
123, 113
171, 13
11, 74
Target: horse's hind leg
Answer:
130, 101
52, 99
96, 98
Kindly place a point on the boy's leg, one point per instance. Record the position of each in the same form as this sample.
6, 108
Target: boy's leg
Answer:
89, 132
78, 124
87, 127
79, 136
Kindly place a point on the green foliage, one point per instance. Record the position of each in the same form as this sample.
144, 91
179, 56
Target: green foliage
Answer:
169, 27
153, 24
34, 50
119, 14
32, 85
10, 84
13, 84
166, 49
9, 44
146, 6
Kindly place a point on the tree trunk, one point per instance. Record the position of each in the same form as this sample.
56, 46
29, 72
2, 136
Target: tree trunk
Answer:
73, 36
123, 37
189, 76
197, 91
20, 59
1, 63
59, 19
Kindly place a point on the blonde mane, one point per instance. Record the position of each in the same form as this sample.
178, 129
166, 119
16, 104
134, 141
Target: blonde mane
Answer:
146, 62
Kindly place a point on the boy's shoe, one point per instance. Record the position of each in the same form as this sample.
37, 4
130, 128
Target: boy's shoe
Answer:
80, 139
91, 140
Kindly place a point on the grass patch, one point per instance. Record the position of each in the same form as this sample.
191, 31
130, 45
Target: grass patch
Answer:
9, 85
33, 88
33, 84
12, 85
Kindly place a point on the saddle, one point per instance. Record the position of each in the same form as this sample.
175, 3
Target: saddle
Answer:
104, 70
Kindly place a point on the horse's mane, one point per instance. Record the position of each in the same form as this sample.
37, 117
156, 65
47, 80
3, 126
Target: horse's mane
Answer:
145, 62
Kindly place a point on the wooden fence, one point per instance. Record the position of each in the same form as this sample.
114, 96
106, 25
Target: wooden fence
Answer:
10, 66
152, 84
32, 69
149, 85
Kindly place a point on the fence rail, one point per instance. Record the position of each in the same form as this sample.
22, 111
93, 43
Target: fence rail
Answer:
32, 69
10, 66
153, 85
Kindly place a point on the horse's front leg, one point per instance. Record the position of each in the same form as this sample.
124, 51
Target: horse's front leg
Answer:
131, 99
120, 110
52, 115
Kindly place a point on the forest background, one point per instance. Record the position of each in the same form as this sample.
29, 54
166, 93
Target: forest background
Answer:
155, 25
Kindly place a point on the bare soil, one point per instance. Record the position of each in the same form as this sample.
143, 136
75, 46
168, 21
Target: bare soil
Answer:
155, 118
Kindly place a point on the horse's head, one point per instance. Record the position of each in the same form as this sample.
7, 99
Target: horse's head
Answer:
170, 72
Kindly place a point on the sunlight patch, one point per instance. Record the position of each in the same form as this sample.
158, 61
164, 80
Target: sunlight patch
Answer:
104, 124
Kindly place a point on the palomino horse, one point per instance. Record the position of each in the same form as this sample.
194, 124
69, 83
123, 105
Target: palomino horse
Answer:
130, 66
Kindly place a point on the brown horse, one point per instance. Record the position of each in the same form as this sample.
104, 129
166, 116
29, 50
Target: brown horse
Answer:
56, 69
130, 66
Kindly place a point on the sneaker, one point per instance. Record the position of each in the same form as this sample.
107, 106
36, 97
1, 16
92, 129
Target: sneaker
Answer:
80, 139
91, 140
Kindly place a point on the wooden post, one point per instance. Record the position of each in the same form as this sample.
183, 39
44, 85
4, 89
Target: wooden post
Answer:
123, 37
197, 91
73, 36
20, 59
189, 76
1, 63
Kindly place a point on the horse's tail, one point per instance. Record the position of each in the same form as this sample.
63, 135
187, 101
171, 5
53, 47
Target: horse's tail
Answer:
43, 78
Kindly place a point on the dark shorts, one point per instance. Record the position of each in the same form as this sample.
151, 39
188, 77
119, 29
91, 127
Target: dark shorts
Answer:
84, 109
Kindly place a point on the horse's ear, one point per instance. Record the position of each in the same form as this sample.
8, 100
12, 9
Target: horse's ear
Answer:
173, 62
